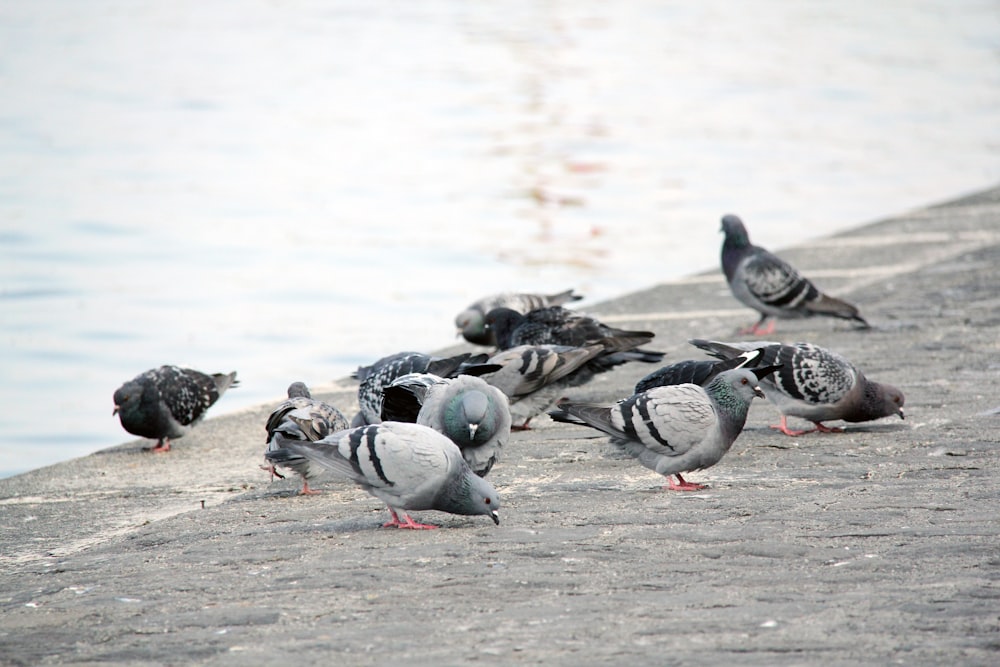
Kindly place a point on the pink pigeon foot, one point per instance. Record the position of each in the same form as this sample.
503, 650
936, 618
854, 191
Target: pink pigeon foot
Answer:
408, 522
161, 446
306, 491
756, 329
682, 485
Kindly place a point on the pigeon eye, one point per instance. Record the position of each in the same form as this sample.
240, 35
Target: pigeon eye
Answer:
744, 381
487, 501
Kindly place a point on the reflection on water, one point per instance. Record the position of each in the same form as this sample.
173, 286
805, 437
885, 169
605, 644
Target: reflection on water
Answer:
291, 189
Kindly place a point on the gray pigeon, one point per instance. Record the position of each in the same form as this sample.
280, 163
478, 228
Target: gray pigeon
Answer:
380, 375
695, 372
302, 417
473, 414
471, 322
407, 466
534, 376
676, 428
815, 384
165, 402
771, 286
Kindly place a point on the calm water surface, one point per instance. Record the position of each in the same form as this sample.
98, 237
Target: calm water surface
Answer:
290, 189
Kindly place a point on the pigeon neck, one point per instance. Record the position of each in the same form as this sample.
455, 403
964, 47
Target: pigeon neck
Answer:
730, 408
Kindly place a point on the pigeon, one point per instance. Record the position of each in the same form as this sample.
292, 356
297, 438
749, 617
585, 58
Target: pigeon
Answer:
815, 384
470, 412
534, 376
683, 427
302, 417
471, 322
407, 466
380, 375
165, 402
771, 286
695, 372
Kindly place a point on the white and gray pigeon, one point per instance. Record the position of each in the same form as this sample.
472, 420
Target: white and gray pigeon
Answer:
677, 428
165, 402
302, 417
772, 286
699, 371
470, 412
534, 376
379, 375
815, 384
408, 466
471, 322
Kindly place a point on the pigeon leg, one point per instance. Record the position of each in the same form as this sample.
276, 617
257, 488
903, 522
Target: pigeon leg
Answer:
407, 523
822, 428
271, 469
783, 427
306, 491
522, 427
682, 485
756, 330
162, 446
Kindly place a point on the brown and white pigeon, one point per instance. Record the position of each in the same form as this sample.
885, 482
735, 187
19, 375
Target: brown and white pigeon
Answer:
471, 413
676, 428
407, 466
815, 384
302, 417
165, 402
471, 322
772, 286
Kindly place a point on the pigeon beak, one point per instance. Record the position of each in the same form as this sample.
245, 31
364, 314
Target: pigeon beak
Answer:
115, 411
901, 414
757, 392
495, 517
472, 431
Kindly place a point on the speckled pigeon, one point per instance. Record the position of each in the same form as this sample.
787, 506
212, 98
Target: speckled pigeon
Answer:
471, 322
815, 384
165, 402
378, 376
407, 466
470, 412
771, 286
677, 428
695, 371
302, 417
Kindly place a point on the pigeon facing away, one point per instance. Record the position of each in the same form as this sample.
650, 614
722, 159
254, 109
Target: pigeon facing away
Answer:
771, 286
695, 372
534, 376
407, 466
302, 417
380, 375
677, 428
815, 384
470, 412
165, 402
471, 322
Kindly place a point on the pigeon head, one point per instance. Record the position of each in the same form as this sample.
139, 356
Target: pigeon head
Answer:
468, 419
298, 390
128, 399
471, 325
734, 390
736, 233
880, 400
501, 322
470, 495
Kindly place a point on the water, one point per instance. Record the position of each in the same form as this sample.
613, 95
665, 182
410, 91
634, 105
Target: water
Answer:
290, 189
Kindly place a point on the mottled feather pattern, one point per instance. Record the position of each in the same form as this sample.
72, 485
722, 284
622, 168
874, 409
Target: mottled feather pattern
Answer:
380, 375
813, 374
471, 322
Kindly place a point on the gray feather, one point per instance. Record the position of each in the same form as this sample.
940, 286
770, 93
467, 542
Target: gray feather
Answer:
471, 322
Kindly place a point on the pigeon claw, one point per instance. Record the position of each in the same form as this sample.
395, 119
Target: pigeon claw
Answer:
682, 485
407, 522
161, 447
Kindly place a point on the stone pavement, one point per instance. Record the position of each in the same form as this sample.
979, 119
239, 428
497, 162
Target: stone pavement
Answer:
880, 545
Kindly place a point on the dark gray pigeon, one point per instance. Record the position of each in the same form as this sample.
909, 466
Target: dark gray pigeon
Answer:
380, 375
165, 402
471, 322
470, 412
407, 466
815, 384
677, 428
534, 376
302, 417
771, 286
695, 372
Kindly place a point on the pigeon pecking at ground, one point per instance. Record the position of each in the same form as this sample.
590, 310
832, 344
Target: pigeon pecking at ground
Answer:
165, 402
815, 384
771, 286
695, 371
408, 466
379, 375
302, 417
471, 322
677, 428
471, 413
